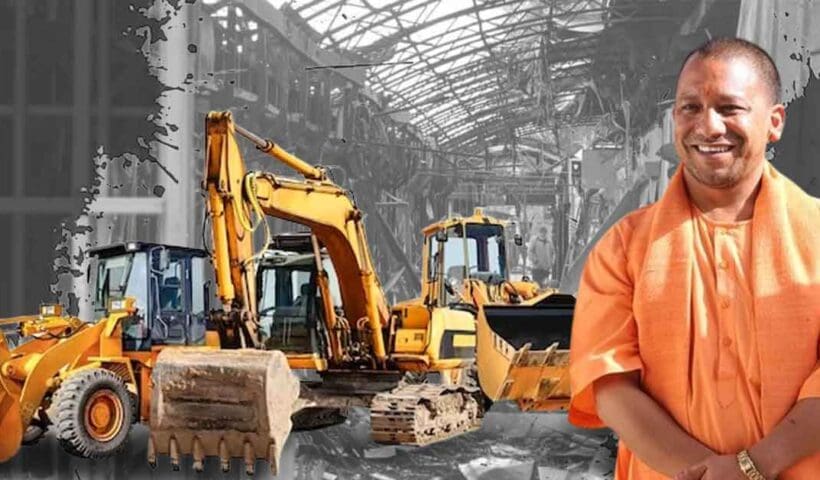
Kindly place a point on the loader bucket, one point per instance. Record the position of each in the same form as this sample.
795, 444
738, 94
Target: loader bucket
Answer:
523, 352
11, 420
225, 403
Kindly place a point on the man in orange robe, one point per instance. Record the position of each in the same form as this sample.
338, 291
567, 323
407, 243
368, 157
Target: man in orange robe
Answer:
696, 335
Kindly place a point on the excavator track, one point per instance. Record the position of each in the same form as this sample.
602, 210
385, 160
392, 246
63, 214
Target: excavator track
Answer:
422, 414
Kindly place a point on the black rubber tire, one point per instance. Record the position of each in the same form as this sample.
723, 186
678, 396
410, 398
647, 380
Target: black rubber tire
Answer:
70, 401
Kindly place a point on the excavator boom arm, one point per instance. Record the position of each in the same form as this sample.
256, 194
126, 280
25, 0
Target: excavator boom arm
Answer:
316, 202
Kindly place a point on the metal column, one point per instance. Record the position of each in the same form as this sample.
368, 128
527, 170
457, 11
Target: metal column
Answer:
177, 109
18, 222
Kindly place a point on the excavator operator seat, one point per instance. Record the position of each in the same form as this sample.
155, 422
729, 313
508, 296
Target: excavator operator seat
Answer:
170, 294
303, 299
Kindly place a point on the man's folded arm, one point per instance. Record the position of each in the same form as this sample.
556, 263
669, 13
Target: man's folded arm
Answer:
605, 366
796, 436
644, 426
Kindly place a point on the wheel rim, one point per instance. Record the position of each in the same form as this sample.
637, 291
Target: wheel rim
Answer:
103, 415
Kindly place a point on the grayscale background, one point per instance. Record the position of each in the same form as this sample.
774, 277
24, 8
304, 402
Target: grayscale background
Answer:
540, 111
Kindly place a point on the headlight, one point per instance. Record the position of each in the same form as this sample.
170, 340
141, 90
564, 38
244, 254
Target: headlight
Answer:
51, 310
120, 305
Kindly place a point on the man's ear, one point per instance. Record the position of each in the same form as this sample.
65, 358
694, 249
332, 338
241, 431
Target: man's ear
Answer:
777, 120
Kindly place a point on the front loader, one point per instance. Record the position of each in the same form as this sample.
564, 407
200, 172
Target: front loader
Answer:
20, 400
90, 381
37, 375
522, 330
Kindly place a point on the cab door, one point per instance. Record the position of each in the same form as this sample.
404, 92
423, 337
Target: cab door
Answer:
173, 297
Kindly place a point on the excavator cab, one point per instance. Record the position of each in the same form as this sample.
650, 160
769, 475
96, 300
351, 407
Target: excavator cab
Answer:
169, 286
291, 307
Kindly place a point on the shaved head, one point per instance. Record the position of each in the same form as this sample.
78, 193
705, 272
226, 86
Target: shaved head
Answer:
732, 48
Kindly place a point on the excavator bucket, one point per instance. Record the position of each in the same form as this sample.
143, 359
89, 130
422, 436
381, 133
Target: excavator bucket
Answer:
225, 403
11, 420
523, 352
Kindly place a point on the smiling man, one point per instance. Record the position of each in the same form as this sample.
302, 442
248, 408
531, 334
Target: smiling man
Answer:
697, 329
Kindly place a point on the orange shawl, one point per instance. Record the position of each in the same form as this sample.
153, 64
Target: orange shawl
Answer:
633, 310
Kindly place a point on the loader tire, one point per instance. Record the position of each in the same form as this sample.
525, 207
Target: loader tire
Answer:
94, 414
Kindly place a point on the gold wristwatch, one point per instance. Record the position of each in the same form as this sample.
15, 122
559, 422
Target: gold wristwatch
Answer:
747, 466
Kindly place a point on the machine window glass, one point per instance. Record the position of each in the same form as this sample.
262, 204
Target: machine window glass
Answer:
137, 287
300, 283
170, 289
170, 309
333, 281
110, 275
118, 277
472, 254
135, 334
495, 256
198, 280
284, 306
486, 252
432, 249
199, 304
267, 295
454, 256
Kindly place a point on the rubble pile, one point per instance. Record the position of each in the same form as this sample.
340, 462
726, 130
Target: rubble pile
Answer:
510, 445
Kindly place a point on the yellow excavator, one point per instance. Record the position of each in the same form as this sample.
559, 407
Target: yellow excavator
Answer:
342, 329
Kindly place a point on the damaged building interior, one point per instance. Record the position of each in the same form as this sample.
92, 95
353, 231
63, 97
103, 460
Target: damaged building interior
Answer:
544, 113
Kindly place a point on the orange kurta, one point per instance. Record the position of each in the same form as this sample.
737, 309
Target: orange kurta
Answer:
722, 320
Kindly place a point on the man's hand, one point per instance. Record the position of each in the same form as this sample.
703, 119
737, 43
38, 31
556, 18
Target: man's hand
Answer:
644, 426
794, 438
716, 467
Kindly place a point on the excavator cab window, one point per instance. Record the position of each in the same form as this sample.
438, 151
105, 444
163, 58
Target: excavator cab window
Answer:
291, 311
200, 290
286, 306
